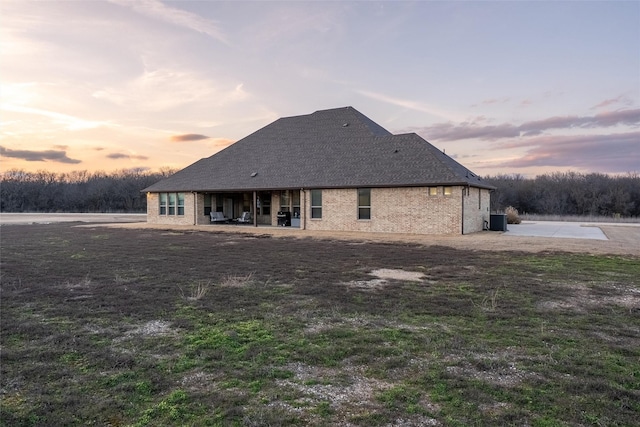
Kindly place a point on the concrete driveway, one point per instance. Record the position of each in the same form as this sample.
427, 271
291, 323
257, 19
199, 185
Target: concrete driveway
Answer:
569, 230
49, 218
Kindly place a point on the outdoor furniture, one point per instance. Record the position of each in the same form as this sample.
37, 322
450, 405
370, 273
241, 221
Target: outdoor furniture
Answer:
218, 217
245, 218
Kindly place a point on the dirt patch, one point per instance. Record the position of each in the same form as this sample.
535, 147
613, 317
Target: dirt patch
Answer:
583, 299
383, 275
342, 388
152, 328
388, 273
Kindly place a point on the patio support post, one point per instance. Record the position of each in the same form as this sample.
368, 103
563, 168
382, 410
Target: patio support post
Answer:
195, 207
303, 210
255, 209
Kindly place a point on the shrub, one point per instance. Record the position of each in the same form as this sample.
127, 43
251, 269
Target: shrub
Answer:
512, 215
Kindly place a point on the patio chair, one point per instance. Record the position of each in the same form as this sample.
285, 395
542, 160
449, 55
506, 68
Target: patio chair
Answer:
245, 218
218, 217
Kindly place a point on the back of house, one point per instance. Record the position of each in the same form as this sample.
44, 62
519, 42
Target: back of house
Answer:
330, 170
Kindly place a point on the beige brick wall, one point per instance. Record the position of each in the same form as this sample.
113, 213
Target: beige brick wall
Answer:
476, 209
393, 210
201, 218
153, 211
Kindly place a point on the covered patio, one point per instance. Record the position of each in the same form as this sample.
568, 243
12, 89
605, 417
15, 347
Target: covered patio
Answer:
257, 208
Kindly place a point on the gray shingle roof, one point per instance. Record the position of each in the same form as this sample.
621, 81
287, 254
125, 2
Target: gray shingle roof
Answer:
335, 148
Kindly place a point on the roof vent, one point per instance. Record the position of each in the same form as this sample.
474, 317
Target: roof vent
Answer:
344, 125
254, 174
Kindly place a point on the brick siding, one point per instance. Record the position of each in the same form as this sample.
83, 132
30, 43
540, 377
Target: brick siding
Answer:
393, 210
476, 209
153, 211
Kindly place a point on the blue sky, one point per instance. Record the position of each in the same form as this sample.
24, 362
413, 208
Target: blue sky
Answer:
504, 87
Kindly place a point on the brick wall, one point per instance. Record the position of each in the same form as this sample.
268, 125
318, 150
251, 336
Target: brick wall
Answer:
393, 210
201, 218
476, 209
153, 211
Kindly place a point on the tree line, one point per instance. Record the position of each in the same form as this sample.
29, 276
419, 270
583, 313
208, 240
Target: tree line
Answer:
566, 193
78, 191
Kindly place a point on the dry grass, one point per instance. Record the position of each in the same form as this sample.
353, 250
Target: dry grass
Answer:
512, 215
446, 337
237, 280
195, 291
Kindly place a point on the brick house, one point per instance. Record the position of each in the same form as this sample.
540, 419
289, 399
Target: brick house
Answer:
330, 170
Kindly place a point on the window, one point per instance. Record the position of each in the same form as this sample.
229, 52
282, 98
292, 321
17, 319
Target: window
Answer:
247, 202
295, 203
364, 203
266, 204
448, 191
207, 204
479, 198
290, 202
171, 203
433, 191
219, 203
316, 204
285, 201
163, 203
180, 203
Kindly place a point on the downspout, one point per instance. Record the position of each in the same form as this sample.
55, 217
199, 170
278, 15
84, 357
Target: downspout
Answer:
255, 209
463, 190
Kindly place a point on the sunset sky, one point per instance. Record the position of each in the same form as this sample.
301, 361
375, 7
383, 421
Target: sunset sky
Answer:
503, 86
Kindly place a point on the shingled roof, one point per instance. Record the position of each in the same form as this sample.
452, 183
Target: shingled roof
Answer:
337, 148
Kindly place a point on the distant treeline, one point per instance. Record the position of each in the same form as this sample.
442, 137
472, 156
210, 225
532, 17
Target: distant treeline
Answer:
78, 191
568, 193
81, 191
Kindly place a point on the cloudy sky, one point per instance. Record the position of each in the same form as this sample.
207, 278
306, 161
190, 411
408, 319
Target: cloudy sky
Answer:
504, 87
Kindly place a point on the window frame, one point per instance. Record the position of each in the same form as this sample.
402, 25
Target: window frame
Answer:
162, 203
315, 204
447, 191
171, 206
180, 204
364, 208
171, 203
432, 191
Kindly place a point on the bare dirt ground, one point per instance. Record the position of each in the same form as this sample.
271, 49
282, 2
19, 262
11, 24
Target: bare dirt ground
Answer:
623, 240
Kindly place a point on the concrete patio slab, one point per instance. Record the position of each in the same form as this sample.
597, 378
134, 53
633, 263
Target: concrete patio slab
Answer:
568, 230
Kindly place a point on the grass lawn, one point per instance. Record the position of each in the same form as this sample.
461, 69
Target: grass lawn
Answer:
115, 327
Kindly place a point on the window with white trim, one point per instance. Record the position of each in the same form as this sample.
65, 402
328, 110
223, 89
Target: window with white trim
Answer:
316, 204
171, 203
364, 203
